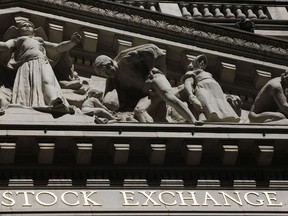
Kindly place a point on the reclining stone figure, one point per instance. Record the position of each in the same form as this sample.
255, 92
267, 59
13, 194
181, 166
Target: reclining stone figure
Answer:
271, 102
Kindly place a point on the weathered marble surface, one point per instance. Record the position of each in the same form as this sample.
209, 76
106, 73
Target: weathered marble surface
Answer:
136, 88
205, 94
35, 84
271, 102
16, 114
137, 73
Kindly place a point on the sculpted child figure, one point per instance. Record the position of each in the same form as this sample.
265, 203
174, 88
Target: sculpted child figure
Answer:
35, 84
93, 106
205, 94
135, 73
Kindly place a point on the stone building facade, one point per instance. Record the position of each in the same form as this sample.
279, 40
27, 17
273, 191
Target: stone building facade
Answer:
55, 164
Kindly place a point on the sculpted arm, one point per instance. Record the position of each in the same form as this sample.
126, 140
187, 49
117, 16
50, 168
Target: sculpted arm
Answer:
6, 46
65, 45
188, 86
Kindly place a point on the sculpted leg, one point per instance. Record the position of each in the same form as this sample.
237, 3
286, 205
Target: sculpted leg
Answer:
50, 85
100, 112
162, 87
265, 117
111, 100
141, 108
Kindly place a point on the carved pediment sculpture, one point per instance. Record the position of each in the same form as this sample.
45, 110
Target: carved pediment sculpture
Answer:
60, 61
205, 94
137, 76
137, 87
35, 84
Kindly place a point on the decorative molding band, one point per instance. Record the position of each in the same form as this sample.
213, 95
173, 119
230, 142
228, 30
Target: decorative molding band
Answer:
185, 28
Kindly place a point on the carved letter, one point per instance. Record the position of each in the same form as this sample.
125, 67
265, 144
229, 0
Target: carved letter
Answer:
209, 197
225, 196
149, 198
270, 199
12, 201
87, 199
259, 202
46, 204
165, 203
67, 203
193, 198
25, 196
128, 198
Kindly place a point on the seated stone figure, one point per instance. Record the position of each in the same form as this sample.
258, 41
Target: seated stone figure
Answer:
136, 73
271, 102
205, 93
93, 106
35, 84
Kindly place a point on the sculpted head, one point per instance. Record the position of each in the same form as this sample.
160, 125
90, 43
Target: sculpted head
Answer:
96, 93
200, 62
26, 28
105, 66
284, 77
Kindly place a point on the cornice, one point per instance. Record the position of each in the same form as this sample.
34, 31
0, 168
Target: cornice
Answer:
179, 151
174, 28
191, 29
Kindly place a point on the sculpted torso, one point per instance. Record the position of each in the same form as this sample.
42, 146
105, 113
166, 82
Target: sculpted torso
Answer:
29, 47
265, 100
201, 75
271, 102
135, 65
131, 76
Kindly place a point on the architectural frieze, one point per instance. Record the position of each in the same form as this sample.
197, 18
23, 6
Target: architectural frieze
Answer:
109, 109
187, 29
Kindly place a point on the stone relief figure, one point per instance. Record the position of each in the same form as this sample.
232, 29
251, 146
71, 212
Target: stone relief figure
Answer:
35, 84
206, 95
93, 106
5, 99
271, 102
136, 73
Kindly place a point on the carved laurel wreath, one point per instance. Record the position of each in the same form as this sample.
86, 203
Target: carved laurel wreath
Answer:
199, 33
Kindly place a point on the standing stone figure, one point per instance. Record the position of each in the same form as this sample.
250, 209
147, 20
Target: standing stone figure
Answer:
136, 73
35, 84
271, 102
205, 94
